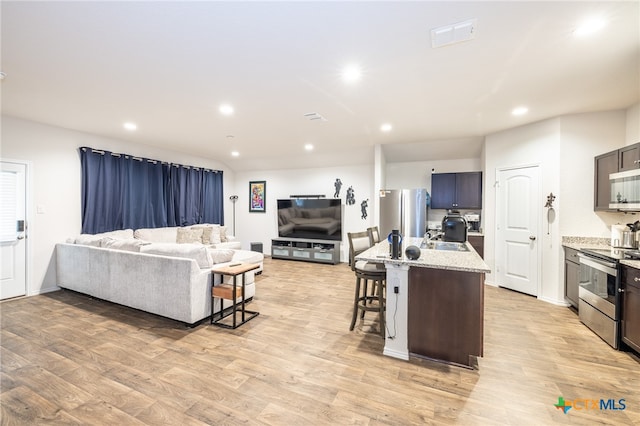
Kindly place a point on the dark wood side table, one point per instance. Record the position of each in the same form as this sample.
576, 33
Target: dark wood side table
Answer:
231, 292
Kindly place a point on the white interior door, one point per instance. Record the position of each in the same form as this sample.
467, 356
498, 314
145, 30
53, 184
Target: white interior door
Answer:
13, 247
517, 223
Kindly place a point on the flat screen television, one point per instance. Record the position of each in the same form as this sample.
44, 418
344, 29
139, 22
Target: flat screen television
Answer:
310, 218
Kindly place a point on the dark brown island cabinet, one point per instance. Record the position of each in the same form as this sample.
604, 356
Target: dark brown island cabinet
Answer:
477, 242
456, 190
571, 276
446, 315
620, 160
630, 293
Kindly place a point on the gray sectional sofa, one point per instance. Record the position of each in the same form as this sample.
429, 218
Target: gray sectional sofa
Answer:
157, 274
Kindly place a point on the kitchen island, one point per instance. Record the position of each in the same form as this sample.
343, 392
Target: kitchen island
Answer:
435, 304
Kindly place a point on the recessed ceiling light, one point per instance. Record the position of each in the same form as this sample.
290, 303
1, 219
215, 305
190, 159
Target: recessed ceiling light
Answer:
235, 153
386, 127
351, 73
589, 26
521, 110
130, 126
308, 147
226, 109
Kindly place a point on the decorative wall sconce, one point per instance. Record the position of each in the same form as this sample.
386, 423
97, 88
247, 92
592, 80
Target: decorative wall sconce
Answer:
551, 213
550, 199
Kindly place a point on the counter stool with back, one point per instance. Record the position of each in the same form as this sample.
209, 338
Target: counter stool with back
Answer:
365, 272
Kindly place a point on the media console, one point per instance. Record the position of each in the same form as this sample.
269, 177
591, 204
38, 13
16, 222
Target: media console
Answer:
322, 251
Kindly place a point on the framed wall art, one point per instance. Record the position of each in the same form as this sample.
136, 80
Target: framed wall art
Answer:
257, 196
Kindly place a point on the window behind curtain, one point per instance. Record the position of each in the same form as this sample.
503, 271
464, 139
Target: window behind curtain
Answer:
120, 192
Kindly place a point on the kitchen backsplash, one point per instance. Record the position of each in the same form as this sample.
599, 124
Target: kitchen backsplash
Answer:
586, 240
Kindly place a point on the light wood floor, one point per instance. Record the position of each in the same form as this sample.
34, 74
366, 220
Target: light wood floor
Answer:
70, 359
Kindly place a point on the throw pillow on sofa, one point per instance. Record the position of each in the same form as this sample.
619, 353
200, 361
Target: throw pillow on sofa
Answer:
189, 235
197, 252
211, 233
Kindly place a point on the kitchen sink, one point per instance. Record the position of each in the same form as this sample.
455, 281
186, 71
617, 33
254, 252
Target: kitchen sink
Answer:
444, 245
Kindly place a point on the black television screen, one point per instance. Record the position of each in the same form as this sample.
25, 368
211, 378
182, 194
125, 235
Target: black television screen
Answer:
310, 218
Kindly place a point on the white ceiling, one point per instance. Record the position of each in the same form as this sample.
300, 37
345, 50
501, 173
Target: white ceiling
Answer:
167, 66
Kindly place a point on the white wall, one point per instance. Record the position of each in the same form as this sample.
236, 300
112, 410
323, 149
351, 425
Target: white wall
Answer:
417, 174
633, 124
262, 227
564, 149
379, 180
584, 136
55, 185
534, 144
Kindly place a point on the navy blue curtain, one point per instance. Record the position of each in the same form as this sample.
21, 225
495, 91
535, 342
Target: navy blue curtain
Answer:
120, 192
103, 177
212, 196
196, 196
185, 184
145, 195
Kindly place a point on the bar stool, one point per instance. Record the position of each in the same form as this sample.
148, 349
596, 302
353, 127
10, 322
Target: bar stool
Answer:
374, 235
365, 272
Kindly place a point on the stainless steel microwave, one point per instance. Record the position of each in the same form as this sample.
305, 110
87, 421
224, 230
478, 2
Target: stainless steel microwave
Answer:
625, 190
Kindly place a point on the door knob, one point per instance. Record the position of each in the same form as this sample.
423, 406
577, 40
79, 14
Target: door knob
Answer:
532, 238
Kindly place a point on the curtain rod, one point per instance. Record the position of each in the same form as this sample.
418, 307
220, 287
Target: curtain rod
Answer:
114, 154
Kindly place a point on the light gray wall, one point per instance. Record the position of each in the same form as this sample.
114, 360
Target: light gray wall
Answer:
54, 171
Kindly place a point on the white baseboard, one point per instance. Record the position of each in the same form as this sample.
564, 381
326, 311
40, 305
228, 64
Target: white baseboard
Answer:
555, 302
404, 355
492, 284
45, 290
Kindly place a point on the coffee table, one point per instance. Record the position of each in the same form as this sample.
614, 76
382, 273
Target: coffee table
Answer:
231, 292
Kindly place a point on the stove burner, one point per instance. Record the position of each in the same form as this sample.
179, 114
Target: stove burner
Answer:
632, 254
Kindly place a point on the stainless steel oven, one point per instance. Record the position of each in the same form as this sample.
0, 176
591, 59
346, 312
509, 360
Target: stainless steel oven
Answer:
598, 304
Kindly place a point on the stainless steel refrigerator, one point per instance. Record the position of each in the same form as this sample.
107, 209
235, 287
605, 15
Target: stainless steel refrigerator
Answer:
405, 210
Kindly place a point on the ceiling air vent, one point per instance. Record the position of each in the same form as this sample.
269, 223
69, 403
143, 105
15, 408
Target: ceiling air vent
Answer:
454, 33
314, 116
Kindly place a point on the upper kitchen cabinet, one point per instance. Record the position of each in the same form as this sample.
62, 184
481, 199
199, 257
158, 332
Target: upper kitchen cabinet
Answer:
629, 158
620, 160
456, 190
605, 164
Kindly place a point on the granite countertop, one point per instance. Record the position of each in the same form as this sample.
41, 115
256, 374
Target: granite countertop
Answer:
468, 261
578, 243
632, 263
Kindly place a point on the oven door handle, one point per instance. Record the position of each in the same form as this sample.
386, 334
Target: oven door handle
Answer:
606, 267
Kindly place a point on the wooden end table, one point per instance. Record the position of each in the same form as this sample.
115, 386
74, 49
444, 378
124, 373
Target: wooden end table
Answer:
231, 292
